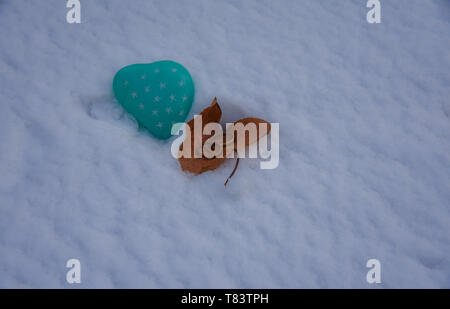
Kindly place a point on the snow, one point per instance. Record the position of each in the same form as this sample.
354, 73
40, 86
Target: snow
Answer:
364, 146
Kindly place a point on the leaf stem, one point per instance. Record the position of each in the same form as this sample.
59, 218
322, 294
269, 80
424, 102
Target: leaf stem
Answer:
232, 173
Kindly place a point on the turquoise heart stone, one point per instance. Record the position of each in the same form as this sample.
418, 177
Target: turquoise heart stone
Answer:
157, 94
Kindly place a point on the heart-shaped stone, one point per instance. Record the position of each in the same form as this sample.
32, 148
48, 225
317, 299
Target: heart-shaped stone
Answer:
157, 94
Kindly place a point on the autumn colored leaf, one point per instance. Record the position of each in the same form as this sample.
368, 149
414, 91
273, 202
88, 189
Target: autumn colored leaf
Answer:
211, 114
261, 131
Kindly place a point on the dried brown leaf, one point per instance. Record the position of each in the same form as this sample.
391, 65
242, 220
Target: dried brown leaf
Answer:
260, 133
212, 113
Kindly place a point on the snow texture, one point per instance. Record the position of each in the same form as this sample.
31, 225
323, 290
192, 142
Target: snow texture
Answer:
364, 172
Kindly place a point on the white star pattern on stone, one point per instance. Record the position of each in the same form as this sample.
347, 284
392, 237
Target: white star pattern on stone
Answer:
143, 76
181, 113
181, 83
125, 83
159, 125
134, 95
141, 106
155, 113
172, 97
174, 70
156, 70
157, 99
168, 110
147, 89
162, 85
184, 98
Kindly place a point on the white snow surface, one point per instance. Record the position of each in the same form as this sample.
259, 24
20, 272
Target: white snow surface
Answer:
364, 172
